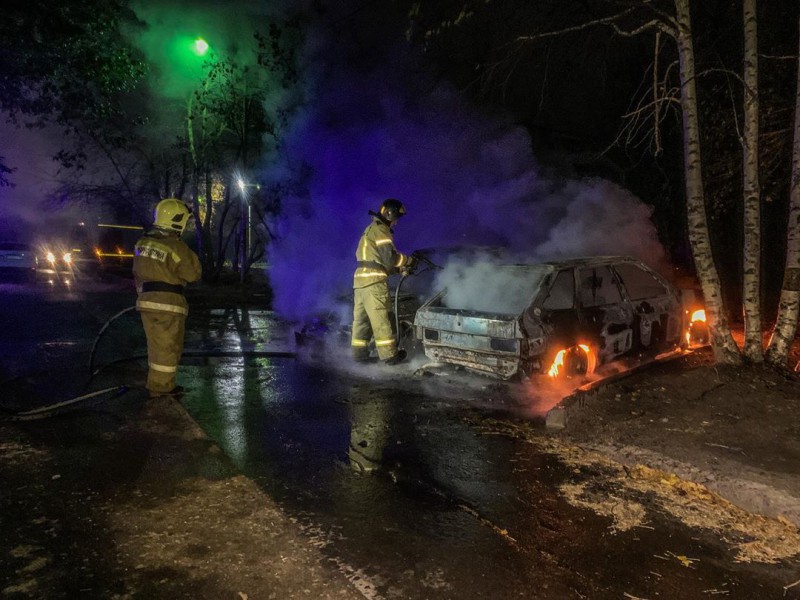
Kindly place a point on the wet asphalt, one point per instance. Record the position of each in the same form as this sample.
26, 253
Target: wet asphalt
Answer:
404, 492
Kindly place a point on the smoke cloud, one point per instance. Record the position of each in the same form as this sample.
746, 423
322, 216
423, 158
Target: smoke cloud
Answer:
377, 127
26, 207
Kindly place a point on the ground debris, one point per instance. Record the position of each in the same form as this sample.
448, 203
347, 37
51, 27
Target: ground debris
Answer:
753, 538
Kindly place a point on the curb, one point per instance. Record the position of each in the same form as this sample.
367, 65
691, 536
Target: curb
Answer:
557, 418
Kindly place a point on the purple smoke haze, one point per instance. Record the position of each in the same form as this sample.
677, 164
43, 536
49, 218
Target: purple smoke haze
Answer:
466, 178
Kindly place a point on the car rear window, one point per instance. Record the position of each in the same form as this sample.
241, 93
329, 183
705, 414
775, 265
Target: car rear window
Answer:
491, 288
15, 247
639, 283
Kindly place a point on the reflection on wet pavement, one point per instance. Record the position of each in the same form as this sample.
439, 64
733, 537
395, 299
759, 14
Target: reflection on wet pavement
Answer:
410, 500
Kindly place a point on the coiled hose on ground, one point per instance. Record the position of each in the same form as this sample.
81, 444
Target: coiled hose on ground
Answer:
112, 392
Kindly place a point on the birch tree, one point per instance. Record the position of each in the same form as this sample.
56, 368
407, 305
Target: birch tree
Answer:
789, 305
751, 271
722, 343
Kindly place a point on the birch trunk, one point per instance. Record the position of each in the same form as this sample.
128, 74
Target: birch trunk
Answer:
789, 307
751, 263
725, 349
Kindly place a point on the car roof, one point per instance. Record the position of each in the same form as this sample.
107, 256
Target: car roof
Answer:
585, 261
589, 261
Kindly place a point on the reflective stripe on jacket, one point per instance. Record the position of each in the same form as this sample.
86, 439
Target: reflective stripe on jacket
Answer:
376, 249
162, 256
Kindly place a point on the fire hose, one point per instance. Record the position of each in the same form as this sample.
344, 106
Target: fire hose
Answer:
112, 392
421, 258
188, 354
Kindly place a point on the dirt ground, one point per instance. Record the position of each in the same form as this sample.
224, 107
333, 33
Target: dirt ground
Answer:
718, 447
134, 501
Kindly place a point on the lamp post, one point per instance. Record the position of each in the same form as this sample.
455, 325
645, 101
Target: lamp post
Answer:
247, 230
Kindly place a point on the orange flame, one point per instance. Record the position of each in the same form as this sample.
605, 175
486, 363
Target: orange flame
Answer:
558, 361
591, 359
693, 334
698, 315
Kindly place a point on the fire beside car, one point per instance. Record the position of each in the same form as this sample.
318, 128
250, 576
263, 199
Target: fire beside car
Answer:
563, 315
114, 249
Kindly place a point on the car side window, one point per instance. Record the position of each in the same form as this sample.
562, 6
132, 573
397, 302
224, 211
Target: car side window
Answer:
562, 293
639, 283
597, 287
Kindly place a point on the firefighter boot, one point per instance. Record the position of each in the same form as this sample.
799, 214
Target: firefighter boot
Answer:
396, 359
176, 393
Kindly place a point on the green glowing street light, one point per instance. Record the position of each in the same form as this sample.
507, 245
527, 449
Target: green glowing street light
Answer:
200, 47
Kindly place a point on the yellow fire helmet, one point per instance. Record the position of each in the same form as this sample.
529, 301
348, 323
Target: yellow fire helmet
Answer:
171, 214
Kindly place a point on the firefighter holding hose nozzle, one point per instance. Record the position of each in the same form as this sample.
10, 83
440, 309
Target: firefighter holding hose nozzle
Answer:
377, 259
162, 265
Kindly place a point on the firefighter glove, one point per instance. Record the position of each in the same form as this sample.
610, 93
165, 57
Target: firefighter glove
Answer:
411, 265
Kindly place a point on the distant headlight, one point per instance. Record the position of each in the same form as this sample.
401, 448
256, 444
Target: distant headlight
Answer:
67, 257
51, 258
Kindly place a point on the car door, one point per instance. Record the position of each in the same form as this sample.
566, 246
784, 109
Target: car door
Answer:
657, 314
604, 314
557, 310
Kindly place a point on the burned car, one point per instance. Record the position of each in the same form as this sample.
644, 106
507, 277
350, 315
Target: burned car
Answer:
525, 319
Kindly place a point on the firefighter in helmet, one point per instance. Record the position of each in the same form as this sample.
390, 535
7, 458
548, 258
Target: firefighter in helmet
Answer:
162, 265
377, 259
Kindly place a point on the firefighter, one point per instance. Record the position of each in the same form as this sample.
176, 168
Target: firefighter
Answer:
162, 266
377, 259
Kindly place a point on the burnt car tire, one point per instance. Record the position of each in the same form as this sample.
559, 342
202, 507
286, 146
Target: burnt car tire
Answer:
579, 361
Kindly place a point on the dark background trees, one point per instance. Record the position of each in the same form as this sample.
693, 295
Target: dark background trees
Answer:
597, 85
132, 115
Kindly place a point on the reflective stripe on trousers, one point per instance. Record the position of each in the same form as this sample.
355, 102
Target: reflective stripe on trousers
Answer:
148, 305
371, 307
164, 333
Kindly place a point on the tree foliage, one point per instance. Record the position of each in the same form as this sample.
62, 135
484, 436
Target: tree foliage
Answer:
66, 63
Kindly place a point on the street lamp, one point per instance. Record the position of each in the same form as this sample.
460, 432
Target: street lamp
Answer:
247, 229
200, 47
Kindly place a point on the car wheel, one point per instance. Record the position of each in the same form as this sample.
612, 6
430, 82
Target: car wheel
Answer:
580, 360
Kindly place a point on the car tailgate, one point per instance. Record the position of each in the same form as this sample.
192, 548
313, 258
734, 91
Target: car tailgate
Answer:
481, 341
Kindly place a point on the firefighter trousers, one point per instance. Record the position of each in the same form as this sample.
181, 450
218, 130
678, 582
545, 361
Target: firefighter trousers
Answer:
371, 309
164, 332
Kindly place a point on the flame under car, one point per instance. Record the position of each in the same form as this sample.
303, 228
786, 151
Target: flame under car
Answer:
571, 315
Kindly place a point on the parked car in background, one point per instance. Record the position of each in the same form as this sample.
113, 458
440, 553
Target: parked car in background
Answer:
552, 317
56, 255
18, 260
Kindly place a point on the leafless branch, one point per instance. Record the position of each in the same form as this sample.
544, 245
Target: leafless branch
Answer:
650, 25
656, 95
773, 57
726, 72
643, 108
559, 32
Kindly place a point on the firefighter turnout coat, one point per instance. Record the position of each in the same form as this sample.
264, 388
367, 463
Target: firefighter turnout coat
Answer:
162, 265
377, 259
